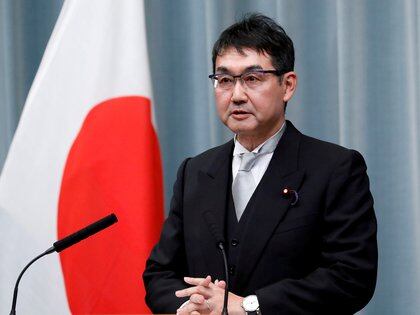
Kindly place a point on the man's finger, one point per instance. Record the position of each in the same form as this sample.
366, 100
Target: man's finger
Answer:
198, 281
193, 281
192, 307
197, 298
206, 281
190, 291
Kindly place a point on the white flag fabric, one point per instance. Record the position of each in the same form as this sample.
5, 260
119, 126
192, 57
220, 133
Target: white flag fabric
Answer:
85, 146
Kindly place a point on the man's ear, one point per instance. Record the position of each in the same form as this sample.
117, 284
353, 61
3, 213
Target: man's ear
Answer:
290, 83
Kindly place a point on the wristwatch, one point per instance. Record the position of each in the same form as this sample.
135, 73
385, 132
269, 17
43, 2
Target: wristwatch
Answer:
250, 305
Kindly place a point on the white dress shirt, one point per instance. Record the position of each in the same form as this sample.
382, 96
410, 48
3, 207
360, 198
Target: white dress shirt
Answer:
261, 164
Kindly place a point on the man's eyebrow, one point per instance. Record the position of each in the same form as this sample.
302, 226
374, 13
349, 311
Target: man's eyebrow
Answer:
254, 67
223, 69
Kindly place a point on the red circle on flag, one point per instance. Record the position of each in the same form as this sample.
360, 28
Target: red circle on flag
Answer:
113, 166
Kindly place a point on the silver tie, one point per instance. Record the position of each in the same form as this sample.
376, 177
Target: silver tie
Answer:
244, 184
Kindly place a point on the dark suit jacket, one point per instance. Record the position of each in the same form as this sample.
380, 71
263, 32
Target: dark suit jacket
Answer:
318, 256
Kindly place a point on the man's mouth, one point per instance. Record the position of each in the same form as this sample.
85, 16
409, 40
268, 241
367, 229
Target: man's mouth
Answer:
239, 114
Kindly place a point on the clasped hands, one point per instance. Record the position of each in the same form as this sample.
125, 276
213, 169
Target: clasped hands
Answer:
206, 297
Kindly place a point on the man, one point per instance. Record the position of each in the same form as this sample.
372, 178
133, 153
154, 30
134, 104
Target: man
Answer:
295, 213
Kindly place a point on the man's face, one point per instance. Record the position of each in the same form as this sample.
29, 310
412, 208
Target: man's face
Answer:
250, 112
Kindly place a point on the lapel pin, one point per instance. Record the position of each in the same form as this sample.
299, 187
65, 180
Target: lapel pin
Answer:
287, 193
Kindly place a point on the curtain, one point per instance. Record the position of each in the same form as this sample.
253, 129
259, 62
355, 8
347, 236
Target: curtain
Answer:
358, 65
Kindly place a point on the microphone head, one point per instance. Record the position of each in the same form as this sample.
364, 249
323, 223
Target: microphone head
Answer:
85, 232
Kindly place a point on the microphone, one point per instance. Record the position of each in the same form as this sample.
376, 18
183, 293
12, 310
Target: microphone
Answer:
215, 231
85, 232
65, 243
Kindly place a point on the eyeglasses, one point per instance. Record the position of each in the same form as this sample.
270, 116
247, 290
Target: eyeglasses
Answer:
251, 79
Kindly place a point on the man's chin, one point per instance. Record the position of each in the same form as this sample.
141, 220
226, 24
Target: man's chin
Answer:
241, 126
241, 130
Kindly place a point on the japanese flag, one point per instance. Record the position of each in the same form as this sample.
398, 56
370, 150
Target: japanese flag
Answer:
85, 146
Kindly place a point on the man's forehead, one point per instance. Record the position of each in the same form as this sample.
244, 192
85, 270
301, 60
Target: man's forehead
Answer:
245, 58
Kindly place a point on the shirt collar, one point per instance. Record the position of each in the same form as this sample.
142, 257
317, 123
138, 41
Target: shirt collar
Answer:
240, 149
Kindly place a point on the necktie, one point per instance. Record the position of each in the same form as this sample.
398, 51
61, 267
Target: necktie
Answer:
244, 184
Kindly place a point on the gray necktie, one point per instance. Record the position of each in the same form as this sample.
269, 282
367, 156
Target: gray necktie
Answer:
244, 184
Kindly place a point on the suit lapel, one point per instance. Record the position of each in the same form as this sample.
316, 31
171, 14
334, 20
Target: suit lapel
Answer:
214, 181
268, 204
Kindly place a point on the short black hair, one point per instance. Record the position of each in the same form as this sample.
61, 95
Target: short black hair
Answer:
261, 33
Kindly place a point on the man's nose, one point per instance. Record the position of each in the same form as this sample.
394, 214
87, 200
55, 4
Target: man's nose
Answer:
238, 93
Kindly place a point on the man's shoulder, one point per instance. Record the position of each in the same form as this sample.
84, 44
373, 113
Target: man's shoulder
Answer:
325, 147
318, 152
222, 151
309, 144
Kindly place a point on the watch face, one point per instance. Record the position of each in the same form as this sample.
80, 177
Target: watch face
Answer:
251, 303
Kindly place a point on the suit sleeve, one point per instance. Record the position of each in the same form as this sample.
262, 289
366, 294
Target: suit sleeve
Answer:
166, 265
345, 280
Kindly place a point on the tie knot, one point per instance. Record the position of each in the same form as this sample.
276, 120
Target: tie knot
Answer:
248, 160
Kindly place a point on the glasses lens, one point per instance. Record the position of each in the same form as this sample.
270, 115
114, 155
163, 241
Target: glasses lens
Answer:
253, 79
224, 81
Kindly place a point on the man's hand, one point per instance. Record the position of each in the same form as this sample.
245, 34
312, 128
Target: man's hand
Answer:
206, 297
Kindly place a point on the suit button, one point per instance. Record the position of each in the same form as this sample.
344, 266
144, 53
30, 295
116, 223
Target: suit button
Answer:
231, 270
234, 242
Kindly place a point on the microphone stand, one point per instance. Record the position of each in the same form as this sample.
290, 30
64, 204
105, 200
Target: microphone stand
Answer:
209, 217
15, 292
65, 243
225, 298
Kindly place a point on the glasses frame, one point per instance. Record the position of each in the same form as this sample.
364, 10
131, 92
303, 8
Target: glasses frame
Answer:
239, 76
